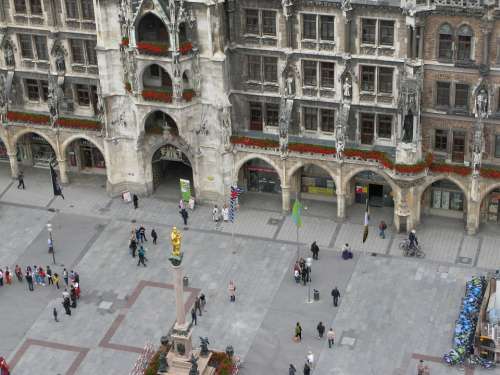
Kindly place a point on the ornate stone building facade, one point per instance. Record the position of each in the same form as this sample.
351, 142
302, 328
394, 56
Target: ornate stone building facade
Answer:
340, 101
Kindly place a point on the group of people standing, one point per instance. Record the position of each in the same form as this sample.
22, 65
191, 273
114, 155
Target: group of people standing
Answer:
136, 243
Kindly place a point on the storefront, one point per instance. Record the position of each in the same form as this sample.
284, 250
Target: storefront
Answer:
3, 152
446, 199
371, 186
490, 209
258, 176
83, 155
35, 150
316, 184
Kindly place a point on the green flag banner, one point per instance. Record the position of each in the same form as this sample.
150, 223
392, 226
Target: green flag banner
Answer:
185, 189
296, 212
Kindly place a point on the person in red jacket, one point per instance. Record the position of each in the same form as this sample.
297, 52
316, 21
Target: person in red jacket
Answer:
4, 367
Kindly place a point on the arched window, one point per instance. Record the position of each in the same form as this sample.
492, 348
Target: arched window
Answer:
445, 49
464, 43
152, 29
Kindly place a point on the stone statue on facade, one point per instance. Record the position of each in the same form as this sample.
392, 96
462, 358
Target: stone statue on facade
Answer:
175, 239
346, 88
53, 100
287, 8
226, 128
60, 63
177, 78
290, 84
407, 136
3, 97
9, 54
346, 5
482, 103
195, 67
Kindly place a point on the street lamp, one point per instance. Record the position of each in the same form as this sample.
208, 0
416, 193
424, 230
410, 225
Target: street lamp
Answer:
51, 243
308, 265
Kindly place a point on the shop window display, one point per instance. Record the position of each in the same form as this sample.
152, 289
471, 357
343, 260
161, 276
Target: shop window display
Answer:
261, 177
447, 196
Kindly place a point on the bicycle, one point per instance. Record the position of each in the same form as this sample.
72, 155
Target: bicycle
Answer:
411, 251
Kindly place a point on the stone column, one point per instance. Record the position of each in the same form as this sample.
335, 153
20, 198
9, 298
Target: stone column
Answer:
421, 41
347, 33
285, 198
341, 214
473, 215
414, 42
180, 311
409, 41
14, 166
63, 171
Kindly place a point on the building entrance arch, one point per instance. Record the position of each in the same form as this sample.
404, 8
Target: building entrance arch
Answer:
444, 197
490, 206
83, 155
33, 149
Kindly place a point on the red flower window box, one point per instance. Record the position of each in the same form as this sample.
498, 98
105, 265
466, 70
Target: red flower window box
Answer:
157, 96
151, 48
185, 48
188, 95
490, 173
75, 123
31, 118
125, 41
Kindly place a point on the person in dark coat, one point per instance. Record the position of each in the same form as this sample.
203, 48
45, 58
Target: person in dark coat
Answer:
54, 312
154, 236
142, 256
142, 233
315, 250
66, 305
193, 316
29, 280
20, 178
135, 199
185, 216
336, 296
133, 247
292, 370
321, 329
72, 293
307, 369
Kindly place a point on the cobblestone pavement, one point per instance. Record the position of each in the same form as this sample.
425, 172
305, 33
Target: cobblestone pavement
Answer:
393, 310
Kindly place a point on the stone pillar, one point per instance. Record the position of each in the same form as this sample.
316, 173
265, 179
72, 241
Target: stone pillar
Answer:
347, 34
63, 171
414, 42
409, 41
473, 215
285, 198
341, 214
14, 166
180, 311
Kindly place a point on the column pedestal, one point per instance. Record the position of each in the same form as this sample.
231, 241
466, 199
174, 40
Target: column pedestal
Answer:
473, 214
63, 171
14, 166
285, 198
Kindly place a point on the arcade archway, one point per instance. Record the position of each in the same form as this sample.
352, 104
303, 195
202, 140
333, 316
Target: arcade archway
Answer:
34, 150
444, 198
83, 156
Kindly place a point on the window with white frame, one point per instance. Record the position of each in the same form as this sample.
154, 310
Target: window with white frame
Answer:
314, 118
272, 114
319, 74
318, 27
36, 90
33, 47
85, 94
445, 99
384, 126
261, 22
375, 125
29, 7
80, 9
376, 79
377, 32
83, 51
262, 68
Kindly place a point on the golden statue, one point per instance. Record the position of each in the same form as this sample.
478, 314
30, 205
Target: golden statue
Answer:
175, 238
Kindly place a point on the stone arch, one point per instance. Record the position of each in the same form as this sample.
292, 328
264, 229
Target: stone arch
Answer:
8, 146
75, 137
240, 163
348, 177
303, 163
488, 190
158, 31
430, 181
19, 134
163, 80
153, 110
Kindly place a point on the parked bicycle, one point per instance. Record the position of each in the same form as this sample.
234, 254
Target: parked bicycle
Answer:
411, 251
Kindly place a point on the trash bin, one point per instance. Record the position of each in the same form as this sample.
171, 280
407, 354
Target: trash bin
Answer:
185, 281
316, 295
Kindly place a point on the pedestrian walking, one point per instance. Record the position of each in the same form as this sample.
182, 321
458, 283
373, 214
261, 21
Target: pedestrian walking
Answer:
77, 278
315, 250
382, 227
142, 232
8, 276
77, 290
203, 301
29, 280
292, 370
321, 329
225, 213
154, 236
65, 276
42, 275
72, 296
184, 215
142, 256
4, 367
138, 234
19, 273
215, 214
310, 358
197, 305
1, 277
193, 316
49, 276
55, 280
422, 368
232, 291
133, 247
54, 313
191, 203
307, 369
336, 296
66, 305
20, 179
346, 252
330, 335
298, 332
182, 204
135, 199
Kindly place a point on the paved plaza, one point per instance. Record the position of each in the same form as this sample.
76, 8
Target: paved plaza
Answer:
393, 310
